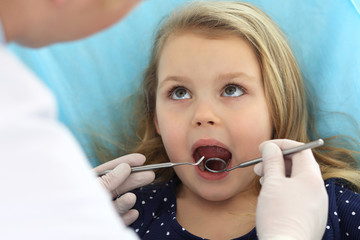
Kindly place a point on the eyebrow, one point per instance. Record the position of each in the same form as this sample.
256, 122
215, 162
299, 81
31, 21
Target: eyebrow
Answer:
174, 79
225, 76
232, 75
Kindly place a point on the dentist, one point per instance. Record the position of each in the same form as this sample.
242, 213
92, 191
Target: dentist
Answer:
48, 189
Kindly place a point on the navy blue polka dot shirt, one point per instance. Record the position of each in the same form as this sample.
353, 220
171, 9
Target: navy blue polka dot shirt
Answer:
157, 219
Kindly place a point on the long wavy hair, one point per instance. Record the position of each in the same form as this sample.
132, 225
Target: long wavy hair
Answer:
288, 100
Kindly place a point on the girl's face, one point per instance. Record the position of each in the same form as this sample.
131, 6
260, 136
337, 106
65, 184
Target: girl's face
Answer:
210, 102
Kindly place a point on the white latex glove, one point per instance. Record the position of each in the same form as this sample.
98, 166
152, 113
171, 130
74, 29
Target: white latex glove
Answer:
120, 180
294, 207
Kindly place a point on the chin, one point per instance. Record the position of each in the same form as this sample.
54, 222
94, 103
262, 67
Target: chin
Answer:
216, 195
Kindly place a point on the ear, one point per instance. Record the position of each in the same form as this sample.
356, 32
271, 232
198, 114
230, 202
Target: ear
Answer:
156, 123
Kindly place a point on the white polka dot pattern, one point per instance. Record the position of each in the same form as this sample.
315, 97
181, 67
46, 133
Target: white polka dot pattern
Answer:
157, 220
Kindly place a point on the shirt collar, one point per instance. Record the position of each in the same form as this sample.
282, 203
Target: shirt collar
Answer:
2, 35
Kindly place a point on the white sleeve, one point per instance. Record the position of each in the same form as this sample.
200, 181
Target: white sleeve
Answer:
47, 187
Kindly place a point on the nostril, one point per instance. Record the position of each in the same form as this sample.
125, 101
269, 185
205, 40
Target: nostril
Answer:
208, 122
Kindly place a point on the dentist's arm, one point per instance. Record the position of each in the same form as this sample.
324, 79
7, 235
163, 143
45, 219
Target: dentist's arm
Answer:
292, 207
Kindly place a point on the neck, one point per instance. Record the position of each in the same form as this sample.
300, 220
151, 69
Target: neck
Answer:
226, 219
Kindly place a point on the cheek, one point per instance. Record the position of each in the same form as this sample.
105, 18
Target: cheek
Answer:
174, 144
172, 119
255, 120
250, 128
260, 124
173, 133
252, 131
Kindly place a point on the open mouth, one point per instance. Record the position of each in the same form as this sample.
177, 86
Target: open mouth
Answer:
212, 152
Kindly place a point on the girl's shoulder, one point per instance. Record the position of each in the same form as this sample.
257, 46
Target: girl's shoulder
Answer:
344, 211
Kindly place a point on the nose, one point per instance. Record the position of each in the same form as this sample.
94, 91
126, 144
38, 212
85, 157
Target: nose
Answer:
205, 115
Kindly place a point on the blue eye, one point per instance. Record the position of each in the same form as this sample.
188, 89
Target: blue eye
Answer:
180, 93
233, 90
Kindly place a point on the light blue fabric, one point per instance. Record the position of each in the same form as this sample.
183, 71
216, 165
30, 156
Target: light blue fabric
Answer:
90, 76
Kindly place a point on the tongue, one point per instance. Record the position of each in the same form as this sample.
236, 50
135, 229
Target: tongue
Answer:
213, 152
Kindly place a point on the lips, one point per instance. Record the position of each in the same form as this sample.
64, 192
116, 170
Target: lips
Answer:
212, 152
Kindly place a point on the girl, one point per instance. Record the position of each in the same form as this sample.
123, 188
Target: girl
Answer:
222, 80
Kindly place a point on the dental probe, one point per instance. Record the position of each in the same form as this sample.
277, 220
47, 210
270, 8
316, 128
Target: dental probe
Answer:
285, 152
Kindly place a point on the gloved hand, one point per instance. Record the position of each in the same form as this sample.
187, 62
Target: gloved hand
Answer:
120, 180
292, 207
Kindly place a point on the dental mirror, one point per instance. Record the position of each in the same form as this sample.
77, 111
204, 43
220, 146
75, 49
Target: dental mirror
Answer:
215, 164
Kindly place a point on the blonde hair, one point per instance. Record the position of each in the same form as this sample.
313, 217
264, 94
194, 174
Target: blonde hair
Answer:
282, 80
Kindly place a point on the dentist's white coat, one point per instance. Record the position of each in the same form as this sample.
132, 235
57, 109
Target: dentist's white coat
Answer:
47, 188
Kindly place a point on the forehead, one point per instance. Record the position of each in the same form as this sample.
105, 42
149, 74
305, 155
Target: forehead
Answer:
185, 51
